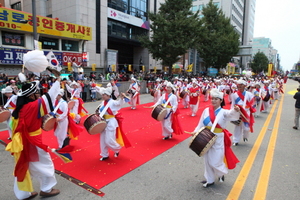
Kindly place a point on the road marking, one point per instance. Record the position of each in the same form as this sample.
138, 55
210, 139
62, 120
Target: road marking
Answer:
263, 181
242, 177
292, 92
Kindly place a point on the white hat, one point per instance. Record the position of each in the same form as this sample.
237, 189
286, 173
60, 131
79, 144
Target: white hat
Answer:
216, 93
73, 83
266, 82
169, 84
241, 81
133, 79
158, 80
108, 85
8, 89
61, 92
186, 80
176, 77
107, 91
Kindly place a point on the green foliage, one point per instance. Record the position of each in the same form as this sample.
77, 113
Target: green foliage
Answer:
260, 62
219, 41
172, 31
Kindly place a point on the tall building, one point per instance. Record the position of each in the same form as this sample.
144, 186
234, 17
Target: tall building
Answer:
242, 16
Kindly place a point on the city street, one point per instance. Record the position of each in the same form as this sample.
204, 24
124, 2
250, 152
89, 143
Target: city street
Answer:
268, 168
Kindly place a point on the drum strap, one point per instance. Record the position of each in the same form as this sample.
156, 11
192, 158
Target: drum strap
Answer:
8, 102
50, 102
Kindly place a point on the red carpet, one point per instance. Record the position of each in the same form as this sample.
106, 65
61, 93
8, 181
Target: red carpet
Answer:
143, 132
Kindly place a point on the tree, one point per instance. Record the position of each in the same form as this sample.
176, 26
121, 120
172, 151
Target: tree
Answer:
260, 62
172, 31
219, 41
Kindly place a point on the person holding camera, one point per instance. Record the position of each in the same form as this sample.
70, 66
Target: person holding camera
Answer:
297, 108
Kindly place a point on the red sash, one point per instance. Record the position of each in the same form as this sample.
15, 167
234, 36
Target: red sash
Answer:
12, 104
166, 98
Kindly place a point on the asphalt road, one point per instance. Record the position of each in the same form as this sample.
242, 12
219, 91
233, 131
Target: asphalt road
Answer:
268, 168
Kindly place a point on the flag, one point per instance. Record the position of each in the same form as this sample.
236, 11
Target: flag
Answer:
53, 62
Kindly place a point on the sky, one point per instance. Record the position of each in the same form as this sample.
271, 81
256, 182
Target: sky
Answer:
279, 21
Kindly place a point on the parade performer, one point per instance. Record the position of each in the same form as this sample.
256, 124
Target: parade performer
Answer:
31, 155
185, 100
113, 136
157, 90
78, 110
257, 95
266, 97
215, 119
134, 91
245, 100
115, 90
10, 105
171, 122
194, 93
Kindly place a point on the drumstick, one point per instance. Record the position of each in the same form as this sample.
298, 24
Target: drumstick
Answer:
243, 116
147, 107
192, 133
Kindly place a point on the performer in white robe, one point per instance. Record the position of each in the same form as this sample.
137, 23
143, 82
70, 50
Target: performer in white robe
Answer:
186, 99
170, 99
10, 105
108, 109
214, 158
133, 90
157, 90
258, 101
75, 91
244, 99
266, 93
61, 130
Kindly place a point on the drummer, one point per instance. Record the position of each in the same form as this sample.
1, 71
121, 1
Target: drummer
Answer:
186, 99
171, 123
215, 118
108, 109
78, 108
10, 105
133, 90
194, 93
157, 90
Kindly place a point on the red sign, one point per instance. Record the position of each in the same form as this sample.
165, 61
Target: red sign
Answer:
68, 57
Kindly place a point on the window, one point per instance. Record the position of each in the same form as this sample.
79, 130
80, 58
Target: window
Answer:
16, 6
70, 45
15, 39
194, 8
217, 4
201, 7
49, 43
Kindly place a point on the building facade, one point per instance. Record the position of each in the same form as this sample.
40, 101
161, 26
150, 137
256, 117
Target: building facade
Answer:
114, 27
242, 16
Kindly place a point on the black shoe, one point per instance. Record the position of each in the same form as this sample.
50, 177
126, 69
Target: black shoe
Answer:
166, 138
103, 158
222, 179
206, 185
245, 139
9, 138
295, 127
203, 181
235, 144
66, 142
117, 154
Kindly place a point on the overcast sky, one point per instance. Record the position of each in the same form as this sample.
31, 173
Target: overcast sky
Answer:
279, 21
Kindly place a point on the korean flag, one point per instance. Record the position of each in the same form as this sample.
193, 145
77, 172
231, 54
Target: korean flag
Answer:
53, 62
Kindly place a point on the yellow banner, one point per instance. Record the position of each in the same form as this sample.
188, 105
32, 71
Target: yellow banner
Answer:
270, 67
12, 19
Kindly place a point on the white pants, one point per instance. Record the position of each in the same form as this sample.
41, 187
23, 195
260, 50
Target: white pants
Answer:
214, 160
185, 101
61, 132
194, 108
166, 125
43, 171
266, 105
108, 141
239, 131
133, 101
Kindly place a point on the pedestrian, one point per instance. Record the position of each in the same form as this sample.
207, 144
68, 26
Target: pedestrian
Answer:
31, 155
75, 67
297, 109
215, 118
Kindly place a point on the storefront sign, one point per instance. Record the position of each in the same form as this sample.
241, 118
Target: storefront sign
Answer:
11, 19
68, 57
123, 17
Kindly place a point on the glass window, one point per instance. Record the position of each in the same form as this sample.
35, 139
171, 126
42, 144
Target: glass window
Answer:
201, 7
217, 4
15, 39
16, 6
194, 8
70, 45
49, 43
